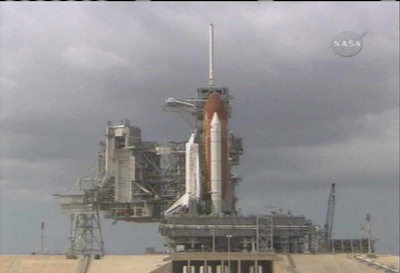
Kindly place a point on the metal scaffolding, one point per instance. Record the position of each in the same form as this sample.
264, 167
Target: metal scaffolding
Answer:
265, 233
86, 237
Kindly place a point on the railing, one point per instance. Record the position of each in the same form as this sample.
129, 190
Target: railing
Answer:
378, 265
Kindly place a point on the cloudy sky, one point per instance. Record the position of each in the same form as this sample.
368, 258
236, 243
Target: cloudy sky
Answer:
308, 117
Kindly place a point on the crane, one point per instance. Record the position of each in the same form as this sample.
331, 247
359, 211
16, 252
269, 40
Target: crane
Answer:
329, 216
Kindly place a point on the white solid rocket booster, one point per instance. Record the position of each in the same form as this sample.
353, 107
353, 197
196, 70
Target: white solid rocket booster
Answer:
216, 165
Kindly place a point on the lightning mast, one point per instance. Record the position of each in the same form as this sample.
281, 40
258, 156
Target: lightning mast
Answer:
211, 56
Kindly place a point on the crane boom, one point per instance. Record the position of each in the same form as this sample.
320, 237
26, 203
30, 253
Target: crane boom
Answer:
330, 214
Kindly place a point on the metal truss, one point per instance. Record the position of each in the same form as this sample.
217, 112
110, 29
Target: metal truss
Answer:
265, 233
86, 237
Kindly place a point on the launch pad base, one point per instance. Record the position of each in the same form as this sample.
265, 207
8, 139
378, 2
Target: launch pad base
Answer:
261, 233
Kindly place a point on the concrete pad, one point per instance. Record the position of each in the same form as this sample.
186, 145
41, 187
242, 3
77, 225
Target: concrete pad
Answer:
36, 264
322, 263
388, 260
127, 263
281, 265
301, 263
6, 262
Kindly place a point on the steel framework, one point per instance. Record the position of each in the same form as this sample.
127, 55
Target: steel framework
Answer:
265, 233
86, 238
329, 218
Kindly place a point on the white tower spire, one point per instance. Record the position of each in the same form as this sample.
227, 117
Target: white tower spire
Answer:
211, 57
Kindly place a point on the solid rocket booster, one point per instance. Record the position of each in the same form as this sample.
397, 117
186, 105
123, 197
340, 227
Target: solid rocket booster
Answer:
216, 174
215, 158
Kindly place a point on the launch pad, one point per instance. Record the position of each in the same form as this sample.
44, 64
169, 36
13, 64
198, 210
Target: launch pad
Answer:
187, 186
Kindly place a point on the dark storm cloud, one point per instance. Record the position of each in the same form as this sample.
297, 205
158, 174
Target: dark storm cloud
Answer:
308, 118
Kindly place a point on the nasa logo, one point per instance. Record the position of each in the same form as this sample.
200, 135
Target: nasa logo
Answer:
347, 43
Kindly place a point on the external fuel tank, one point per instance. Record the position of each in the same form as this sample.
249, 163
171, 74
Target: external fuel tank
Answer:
215, 154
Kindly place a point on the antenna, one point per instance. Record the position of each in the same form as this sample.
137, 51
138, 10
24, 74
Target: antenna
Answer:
211, 56
41, 238
368, 218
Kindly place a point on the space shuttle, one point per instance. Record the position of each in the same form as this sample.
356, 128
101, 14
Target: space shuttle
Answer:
207, 178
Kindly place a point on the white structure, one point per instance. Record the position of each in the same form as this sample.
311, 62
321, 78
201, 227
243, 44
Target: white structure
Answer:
216, 165
192, 179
